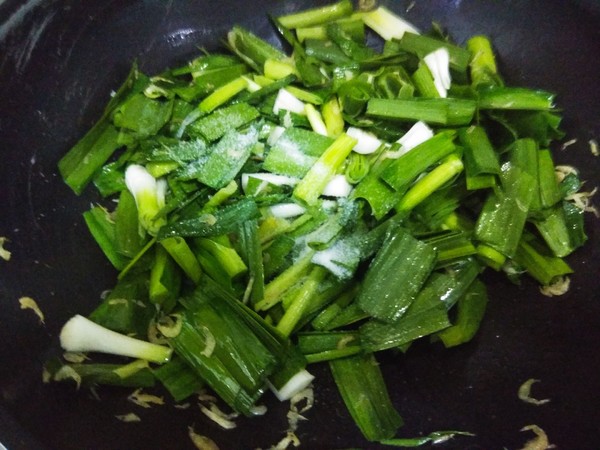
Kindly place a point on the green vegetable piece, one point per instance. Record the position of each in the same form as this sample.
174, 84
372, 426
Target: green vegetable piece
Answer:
222, 221
103, 229
125, 309
138, 374
80, 163
402, 171
165, 281
361, 385
539, 262
449, 168
181, 253
253, 50
317, 16
483, 62
432, 438
437, 111
128, 239
179, 379
227, 157
142, 115
504, 213
514, 98
481, 160
395, 276
422, 45
223, 120
295, 152
311, 186
470, 311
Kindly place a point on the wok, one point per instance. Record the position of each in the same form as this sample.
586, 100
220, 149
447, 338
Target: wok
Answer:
59, 61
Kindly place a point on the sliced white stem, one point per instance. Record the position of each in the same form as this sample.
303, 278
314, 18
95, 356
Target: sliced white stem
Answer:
149, 195
275, 134
367, 142
438, 62
82, 335
271, 178
286, 210
417, 134
294, 385
315, 119
338, 186
287, 102
387, 24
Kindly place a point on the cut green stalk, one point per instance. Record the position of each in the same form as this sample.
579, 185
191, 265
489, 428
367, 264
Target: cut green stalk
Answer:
357, 51
423, 45
165, 280
483, 62
450, 167
353, 26
301, 302
550, 193
481, 160
277, 69
326, 51
363, 390
79, 166
223, 120
94, 374
435, 437
180, 251
452, 246
427, 314
376, 335
323, 346
311, 186
402, 171
423, 81
317, 16
490, 256
253, 50
295, 152
322, 320
557, 232
275, 288
81, 163
221, 196
103, 230
515, 98
222, 221
252, 252
379, 194
179, 379
315, 119
539, 262
82, 335
223, 94
437, 111
125, 309
503, 216
332, 116
227, 257
235, 372
470, 311
395, 276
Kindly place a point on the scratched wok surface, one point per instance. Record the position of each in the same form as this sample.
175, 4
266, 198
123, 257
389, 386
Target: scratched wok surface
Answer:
59, 61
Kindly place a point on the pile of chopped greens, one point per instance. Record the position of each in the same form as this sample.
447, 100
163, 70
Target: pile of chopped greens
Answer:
282, 209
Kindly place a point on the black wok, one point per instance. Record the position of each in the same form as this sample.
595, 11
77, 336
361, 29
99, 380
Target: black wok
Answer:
59, 61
